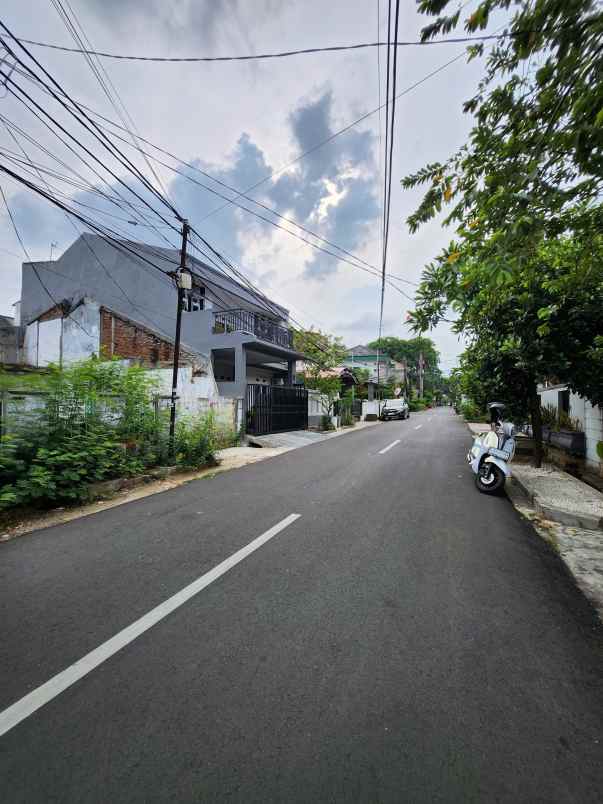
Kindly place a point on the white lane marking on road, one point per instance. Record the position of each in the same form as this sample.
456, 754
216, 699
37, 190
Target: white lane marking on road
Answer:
27, 705
389, 446
418, 427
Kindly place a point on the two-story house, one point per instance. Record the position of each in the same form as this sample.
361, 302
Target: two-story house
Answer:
363, 357
130, 299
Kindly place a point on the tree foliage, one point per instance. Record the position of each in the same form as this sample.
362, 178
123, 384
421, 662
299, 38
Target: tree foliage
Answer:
324, 353
409, 351
534, 159
524, 272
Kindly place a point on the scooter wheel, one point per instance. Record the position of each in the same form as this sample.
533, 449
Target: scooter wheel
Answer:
489, 479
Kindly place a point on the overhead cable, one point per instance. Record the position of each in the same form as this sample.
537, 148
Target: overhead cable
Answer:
277, 55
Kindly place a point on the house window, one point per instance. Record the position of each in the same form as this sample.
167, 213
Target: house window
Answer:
194, 300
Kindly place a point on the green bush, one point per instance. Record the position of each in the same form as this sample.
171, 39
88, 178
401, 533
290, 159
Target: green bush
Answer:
196, 440
347, 420
63, 467
415, 405
548, 415
326, 422
98, 422
471, 413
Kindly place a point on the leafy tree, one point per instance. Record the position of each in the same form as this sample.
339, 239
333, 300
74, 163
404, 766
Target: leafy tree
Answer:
324, 354
543, 321
524, 273
409, 351
534, 159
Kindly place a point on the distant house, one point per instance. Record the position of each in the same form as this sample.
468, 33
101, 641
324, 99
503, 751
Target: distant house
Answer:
11, 339
363, 357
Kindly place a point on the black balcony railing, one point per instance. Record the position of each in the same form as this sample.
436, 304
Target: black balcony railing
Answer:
259, 325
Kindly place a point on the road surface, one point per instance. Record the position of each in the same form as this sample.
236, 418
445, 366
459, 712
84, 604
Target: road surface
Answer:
402, 639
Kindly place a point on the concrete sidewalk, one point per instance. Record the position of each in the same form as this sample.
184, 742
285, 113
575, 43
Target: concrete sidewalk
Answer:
293, 439
560, 497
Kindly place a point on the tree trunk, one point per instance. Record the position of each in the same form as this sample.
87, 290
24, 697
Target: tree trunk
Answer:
536, 416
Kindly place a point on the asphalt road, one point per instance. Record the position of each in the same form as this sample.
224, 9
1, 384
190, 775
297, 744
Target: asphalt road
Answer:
406, 639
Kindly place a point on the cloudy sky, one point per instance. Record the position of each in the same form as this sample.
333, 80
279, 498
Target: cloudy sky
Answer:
241, 121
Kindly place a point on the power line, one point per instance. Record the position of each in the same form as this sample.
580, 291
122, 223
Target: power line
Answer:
276, 55
119, 107
74, 225
379, 98
338, 133
103, 231
387, 183
77, 142
100, 136
33, 264
273, 174
249, 198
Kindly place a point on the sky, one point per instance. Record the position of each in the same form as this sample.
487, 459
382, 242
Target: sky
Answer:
242, 121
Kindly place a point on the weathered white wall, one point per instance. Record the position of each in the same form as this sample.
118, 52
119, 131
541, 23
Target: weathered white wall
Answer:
370, 408
42, 343
49, 341
193, 391
81, 333
30, 345
591, 420
64, 340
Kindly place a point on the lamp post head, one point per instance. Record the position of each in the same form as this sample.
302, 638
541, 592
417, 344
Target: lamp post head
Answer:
185, 279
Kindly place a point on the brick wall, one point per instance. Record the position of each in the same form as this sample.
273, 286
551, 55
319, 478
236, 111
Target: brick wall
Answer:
123, 338
54, 312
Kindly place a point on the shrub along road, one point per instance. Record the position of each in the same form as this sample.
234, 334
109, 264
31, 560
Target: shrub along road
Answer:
402, 639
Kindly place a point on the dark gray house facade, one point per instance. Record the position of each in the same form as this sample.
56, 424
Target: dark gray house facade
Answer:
245, 334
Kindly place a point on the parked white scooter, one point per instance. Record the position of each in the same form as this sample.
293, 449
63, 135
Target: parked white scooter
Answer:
492, 452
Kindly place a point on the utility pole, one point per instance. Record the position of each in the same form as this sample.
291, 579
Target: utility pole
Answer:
421, 373
183, 282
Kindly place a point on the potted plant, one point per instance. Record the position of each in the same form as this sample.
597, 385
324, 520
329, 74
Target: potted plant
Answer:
549, 421
569, 435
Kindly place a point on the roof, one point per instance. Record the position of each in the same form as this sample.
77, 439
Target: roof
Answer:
361, 350
168, 260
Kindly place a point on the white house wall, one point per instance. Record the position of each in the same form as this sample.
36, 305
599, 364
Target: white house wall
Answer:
30, 345
591, 419
81, 333
49, 341
590, 416
64, 340
193, 392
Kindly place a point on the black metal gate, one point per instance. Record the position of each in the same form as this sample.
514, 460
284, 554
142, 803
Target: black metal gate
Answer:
276, 408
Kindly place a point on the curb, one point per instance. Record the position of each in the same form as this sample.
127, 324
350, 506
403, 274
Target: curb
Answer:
547, 534
584, 521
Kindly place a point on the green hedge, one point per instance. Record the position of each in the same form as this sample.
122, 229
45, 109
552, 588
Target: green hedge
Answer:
98, 422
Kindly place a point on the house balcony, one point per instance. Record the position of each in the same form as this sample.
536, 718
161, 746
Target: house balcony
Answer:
262, 327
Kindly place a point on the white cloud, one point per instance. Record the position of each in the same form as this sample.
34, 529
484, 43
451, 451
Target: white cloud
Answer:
240, 120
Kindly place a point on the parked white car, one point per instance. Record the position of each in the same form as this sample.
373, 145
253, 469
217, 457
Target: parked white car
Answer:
394, 409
